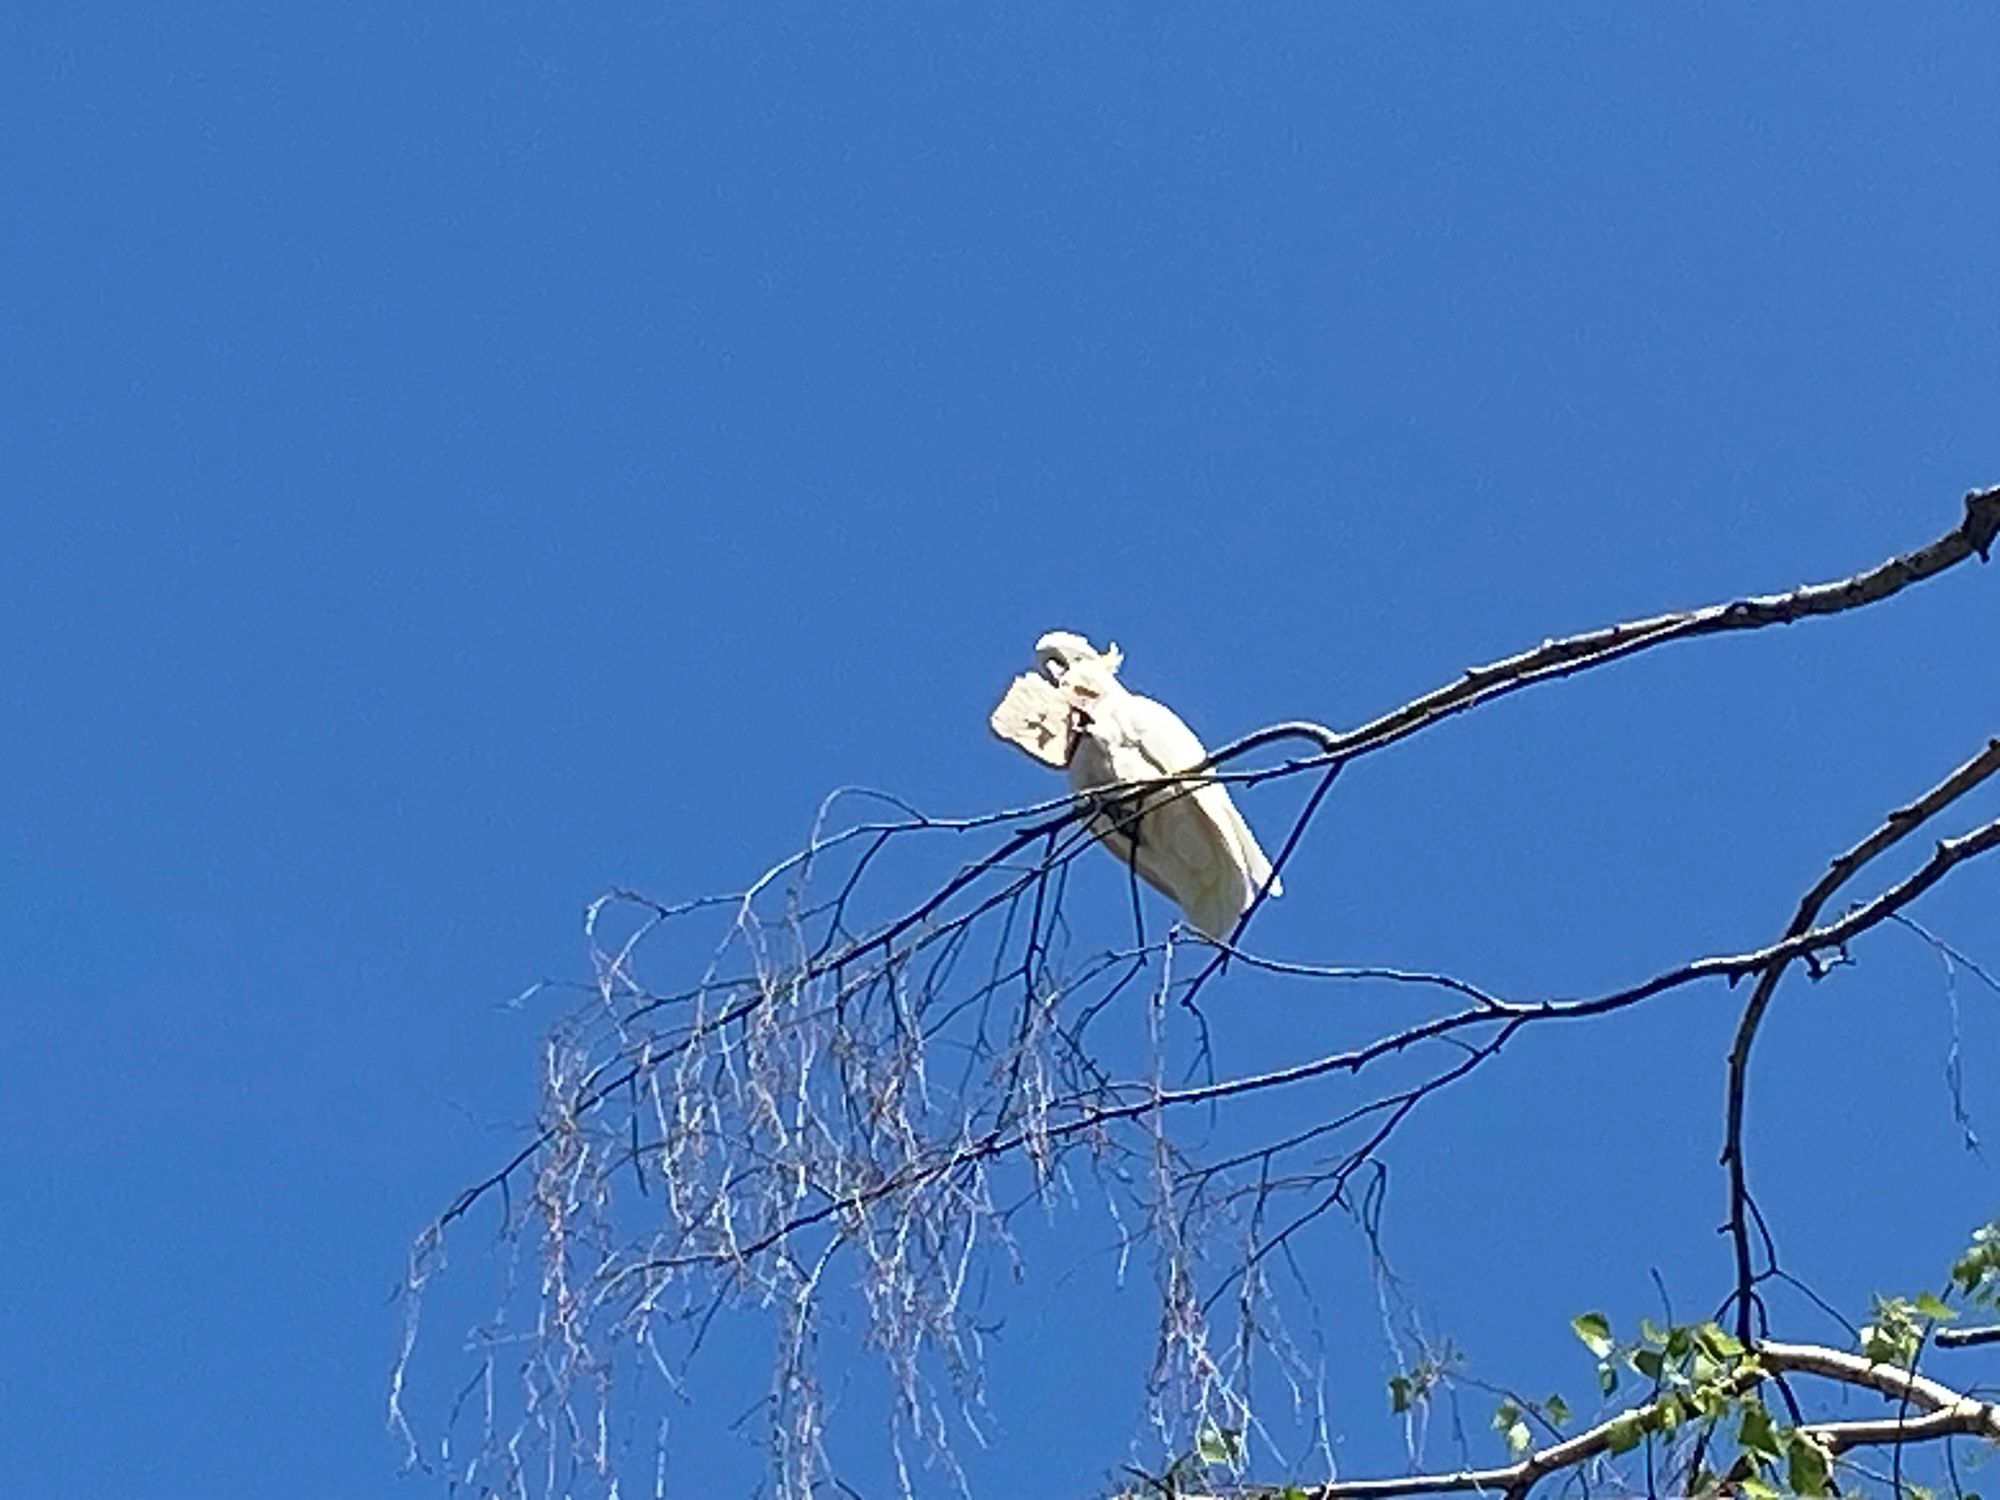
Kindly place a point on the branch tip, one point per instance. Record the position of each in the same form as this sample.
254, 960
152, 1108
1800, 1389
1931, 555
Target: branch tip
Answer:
1982, 519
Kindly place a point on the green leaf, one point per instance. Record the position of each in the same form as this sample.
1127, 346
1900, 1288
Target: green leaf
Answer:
1607, 1376
1757, 1489
1668, 1415
1557, 1408
1652, 1333
1719, 1342
1624, 1434
1649, 1362
1756, 1433
1508, 1422
1218, 1446
1806, 1464
1399, 1393
1931, 1306
1595, 1331
1973, 1272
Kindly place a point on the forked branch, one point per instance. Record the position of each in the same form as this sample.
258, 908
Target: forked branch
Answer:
1894, 828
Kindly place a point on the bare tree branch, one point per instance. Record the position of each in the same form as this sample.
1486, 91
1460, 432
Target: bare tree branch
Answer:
1897, 826
1972, 537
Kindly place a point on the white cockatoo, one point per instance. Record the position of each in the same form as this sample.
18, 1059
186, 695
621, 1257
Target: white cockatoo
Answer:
1186, 840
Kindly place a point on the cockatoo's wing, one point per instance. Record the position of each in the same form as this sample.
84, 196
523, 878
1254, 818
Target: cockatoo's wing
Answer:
1191, 842
1037, 717
1163, 731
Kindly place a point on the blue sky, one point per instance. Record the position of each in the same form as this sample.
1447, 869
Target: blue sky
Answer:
458, 463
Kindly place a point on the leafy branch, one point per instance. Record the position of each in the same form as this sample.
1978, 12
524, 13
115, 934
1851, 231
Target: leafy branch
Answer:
1701, 1383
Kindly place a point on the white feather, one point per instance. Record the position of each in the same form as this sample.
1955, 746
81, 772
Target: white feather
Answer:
1187, 839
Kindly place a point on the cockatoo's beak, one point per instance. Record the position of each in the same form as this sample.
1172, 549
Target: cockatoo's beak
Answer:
1060, 650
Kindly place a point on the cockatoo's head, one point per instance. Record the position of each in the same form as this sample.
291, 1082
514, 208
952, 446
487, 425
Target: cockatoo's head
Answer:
1061, 652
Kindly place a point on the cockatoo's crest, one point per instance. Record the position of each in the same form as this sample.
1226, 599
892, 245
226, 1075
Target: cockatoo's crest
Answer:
1062, 650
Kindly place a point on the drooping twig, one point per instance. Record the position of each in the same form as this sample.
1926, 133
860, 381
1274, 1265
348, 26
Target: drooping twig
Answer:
1094, 1117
